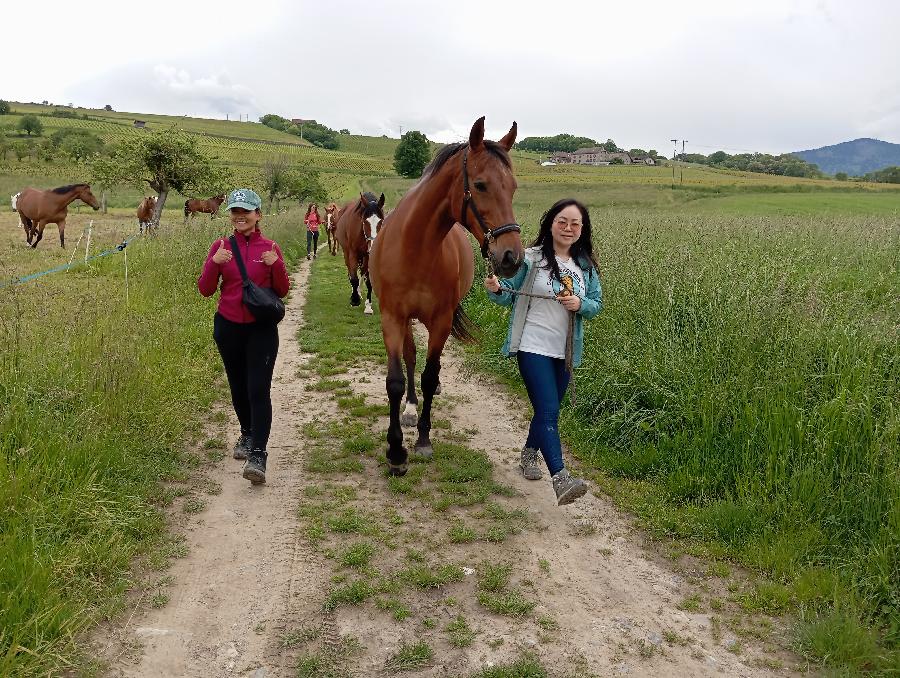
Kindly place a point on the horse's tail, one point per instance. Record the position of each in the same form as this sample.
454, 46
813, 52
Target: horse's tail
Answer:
186, 210
463, 328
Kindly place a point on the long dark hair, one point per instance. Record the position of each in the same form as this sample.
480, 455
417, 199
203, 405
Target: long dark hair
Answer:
581, 250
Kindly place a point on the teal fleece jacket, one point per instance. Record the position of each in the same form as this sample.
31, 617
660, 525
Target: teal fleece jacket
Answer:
591, 302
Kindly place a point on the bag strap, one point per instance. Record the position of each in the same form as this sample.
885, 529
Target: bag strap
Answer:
238, 258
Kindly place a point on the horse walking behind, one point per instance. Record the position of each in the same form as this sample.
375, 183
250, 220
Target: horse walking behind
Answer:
422, 266
356, 230
332, 214
145, 213
38, 208
209, 206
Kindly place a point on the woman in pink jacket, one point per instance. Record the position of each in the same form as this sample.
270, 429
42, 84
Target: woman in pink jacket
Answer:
248, 348
312, 221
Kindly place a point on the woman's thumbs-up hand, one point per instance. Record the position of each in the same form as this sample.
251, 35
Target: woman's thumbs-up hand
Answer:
270, 257
222, 255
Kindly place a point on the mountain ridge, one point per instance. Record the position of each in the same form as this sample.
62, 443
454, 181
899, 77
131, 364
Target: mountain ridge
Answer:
856, 157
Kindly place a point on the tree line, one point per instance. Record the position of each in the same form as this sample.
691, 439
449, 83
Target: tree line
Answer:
785, 164
314, 132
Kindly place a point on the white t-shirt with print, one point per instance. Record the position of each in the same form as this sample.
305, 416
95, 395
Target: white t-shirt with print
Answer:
547, 321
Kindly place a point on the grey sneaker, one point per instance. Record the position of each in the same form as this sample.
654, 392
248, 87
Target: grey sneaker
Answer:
242, 447
568, 488
255, 468
529, 464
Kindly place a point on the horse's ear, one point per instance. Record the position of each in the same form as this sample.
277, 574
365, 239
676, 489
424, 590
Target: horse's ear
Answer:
510, 138
362, 198
476, 136
381, 201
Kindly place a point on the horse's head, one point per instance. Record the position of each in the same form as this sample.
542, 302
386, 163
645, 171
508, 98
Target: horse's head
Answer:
218, 199
484, 193
85, 195
372, 210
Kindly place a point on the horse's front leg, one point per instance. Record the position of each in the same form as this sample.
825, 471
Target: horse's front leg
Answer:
62, 233
392, 330
368, 310
410, 415
38, 234
437, 337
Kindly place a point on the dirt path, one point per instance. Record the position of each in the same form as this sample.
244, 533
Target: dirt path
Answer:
251, 581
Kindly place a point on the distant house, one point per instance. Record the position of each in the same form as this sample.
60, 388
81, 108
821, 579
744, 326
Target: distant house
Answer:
140, 124
599, 156
642, 160
561, 158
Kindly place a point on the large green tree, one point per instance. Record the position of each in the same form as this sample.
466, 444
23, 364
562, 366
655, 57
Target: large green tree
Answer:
277, 179
166, 160
306, 186
412, 154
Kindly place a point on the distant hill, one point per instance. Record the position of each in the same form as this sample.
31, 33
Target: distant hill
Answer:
856, 157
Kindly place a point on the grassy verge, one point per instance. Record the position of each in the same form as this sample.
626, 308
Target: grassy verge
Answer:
740, 393
98, 401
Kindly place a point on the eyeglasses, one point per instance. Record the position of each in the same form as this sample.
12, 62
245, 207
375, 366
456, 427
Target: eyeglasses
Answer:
562, 221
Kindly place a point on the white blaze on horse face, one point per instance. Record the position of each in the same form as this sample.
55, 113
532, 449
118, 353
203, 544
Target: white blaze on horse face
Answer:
373, 225
15, 199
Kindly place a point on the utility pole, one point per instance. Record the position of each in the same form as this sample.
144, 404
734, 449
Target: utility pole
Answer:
674, 153
683, 142
401, 131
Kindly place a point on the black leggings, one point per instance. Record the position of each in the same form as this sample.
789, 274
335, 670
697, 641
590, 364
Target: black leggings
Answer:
248, 351
312, 241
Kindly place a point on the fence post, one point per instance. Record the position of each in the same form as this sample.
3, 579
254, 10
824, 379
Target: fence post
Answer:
87, 246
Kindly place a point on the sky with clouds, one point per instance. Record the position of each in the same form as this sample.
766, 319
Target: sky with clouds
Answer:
767, 75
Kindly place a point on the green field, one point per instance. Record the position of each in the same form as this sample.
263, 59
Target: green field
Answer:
739, 393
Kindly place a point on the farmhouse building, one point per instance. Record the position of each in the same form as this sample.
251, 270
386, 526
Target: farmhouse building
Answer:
140, 124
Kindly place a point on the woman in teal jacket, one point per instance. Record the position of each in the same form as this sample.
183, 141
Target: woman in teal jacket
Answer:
560, 273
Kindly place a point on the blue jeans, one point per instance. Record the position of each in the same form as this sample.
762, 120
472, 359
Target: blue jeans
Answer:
546, 380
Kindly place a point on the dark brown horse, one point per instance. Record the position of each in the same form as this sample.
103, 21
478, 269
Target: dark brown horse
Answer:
422, 266
332, 214
209, 206
145, 213
39, 208
357, 228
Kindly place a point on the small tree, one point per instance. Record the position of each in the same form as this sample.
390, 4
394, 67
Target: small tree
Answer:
107, 108
166, 160
277, 179
412, 154
31, 124
305, 186
841, 176
610, 146
344, 131
4, 107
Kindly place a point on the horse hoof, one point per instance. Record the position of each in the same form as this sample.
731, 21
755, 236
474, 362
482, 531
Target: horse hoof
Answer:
397, 470
410, 416
354, 302
368, 310
426, 451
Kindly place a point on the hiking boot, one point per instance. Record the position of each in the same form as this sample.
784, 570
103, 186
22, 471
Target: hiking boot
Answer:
255, 468
568, 488
242, 447
307, 256
529, 464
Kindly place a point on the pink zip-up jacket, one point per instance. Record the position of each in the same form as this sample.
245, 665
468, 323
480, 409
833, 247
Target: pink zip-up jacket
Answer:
230, 304
312, 222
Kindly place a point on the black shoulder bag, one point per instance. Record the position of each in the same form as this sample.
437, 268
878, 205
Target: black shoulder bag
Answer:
263, 302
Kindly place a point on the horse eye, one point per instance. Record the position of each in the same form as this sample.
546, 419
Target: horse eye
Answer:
481, 186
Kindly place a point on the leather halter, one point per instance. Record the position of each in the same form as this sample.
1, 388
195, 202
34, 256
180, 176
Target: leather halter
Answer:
469, 203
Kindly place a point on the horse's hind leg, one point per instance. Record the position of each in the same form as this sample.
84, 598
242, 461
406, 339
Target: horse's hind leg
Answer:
410, 417
437, 337
393, 331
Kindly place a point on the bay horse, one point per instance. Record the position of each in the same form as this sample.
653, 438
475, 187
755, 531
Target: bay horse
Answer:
209, 206
422, 266
38, 208
332, 214
145, 213
356, 230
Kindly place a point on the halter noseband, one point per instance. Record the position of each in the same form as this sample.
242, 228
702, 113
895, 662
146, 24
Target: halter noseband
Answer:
469, 203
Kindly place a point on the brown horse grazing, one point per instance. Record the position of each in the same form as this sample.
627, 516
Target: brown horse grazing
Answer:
145, 213
422, 266
210, 206
39, 208
357, 228
332, 214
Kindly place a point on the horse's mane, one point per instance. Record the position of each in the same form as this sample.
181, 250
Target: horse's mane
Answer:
448, 151
70, 187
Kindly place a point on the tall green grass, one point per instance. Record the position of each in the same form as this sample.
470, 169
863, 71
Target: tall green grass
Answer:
742, 388
97, 402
